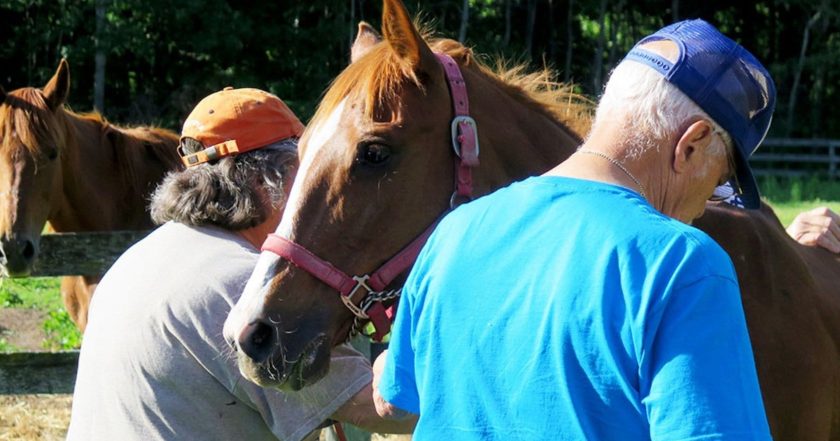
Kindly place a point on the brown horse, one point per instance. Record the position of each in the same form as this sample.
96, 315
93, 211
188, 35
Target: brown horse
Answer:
377, 169
78, 172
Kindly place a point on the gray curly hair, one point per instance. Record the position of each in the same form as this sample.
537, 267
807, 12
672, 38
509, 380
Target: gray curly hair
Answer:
235, 193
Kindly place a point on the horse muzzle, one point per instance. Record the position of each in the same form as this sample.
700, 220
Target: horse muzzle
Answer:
17, 256
264, 360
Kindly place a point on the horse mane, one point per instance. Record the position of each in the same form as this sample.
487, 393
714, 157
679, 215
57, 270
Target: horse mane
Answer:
377, 76
25, 115
135, 146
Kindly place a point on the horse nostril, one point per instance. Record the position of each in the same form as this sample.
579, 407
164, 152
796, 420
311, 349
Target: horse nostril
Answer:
28, 252
257, 341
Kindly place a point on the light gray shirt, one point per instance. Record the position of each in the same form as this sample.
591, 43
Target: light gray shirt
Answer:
154, 364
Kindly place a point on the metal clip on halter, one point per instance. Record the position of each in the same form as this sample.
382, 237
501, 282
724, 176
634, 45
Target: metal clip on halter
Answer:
361, 282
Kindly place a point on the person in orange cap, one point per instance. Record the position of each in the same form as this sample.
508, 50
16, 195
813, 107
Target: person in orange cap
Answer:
154, 364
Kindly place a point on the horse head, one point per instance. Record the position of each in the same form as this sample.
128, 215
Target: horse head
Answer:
34, 133
377, 169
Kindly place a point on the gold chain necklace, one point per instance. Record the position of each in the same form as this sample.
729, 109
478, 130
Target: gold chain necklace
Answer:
621, 167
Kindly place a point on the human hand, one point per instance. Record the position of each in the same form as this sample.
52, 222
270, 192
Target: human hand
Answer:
817, 227
363, 409
384, 408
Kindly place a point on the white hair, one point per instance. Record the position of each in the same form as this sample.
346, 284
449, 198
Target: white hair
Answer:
651, 110
235, 192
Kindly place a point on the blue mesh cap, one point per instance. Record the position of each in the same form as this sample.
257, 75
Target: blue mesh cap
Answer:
727, 82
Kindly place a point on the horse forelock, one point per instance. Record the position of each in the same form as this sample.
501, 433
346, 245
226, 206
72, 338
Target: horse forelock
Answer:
375, 80
26, 117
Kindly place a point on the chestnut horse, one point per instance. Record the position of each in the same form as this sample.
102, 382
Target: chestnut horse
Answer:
377, 169
78, 172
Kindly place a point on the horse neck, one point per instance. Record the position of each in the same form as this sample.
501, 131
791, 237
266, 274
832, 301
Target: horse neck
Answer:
520, 138
94, 194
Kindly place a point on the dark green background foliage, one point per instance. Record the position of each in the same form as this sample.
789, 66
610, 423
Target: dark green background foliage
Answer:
164, 55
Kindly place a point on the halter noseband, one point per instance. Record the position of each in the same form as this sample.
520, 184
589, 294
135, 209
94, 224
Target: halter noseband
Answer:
369, 307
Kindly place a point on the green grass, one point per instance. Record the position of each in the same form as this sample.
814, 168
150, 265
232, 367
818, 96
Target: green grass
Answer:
33, 292
786, 211
61, 331
42, 293
6, 347
791, 196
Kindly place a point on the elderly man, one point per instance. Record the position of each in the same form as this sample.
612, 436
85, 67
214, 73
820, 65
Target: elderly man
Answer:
580, 305
154, 365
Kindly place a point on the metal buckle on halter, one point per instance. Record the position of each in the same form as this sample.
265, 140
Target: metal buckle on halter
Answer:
361, 282
457, 199
455, 127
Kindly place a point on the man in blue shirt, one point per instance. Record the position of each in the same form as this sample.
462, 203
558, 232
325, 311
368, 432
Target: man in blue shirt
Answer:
580, 305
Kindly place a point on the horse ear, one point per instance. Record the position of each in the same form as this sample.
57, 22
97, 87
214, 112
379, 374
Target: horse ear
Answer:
58, 87
404, 38
366, 39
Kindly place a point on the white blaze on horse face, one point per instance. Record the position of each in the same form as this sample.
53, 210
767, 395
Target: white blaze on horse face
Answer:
250, 306
317, 143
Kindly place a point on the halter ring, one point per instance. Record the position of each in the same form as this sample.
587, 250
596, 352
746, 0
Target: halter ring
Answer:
361, 282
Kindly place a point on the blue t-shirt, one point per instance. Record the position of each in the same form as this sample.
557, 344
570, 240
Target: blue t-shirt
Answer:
566, 309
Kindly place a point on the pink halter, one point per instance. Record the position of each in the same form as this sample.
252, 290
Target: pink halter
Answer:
369, 306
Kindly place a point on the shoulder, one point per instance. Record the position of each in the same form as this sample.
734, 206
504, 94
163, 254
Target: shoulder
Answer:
702, 254
178, 266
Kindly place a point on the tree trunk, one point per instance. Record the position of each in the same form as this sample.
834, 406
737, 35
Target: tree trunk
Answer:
598, 59
570, 42
506, 39
532, 18
352, 23
99, 58
552, 39
614, 39
800, 65
465, 19
675, 10
816, 100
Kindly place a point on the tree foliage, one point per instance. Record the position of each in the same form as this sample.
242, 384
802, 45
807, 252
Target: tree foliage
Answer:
163, 56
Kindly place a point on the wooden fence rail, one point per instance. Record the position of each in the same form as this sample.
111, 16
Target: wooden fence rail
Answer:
798, 157
82, 254
61, 254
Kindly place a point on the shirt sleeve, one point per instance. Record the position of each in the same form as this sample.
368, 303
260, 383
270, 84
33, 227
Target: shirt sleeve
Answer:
398, 383
293, 415
289, 415
699, 380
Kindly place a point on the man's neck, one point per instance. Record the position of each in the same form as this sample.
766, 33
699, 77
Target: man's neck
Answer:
256, 235
607, 159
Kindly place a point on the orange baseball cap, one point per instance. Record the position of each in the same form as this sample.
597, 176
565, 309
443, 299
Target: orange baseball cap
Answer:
235, 121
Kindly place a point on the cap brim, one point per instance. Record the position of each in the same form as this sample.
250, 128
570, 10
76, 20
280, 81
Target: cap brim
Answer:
749, 197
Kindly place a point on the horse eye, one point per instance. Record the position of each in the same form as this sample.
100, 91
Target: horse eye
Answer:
374, 154
52, 155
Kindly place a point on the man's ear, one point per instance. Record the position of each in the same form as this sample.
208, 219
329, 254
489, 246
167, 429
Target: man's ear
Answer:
696, 139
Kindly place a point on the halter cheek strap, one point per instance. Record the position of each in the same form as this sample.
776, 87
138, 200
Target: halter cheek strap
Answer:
369, 307
463, 130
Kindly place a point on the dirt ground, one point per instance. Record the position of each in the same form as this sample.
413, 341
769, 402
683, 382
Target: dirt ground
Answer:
34, 417
30, 417
22, 328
